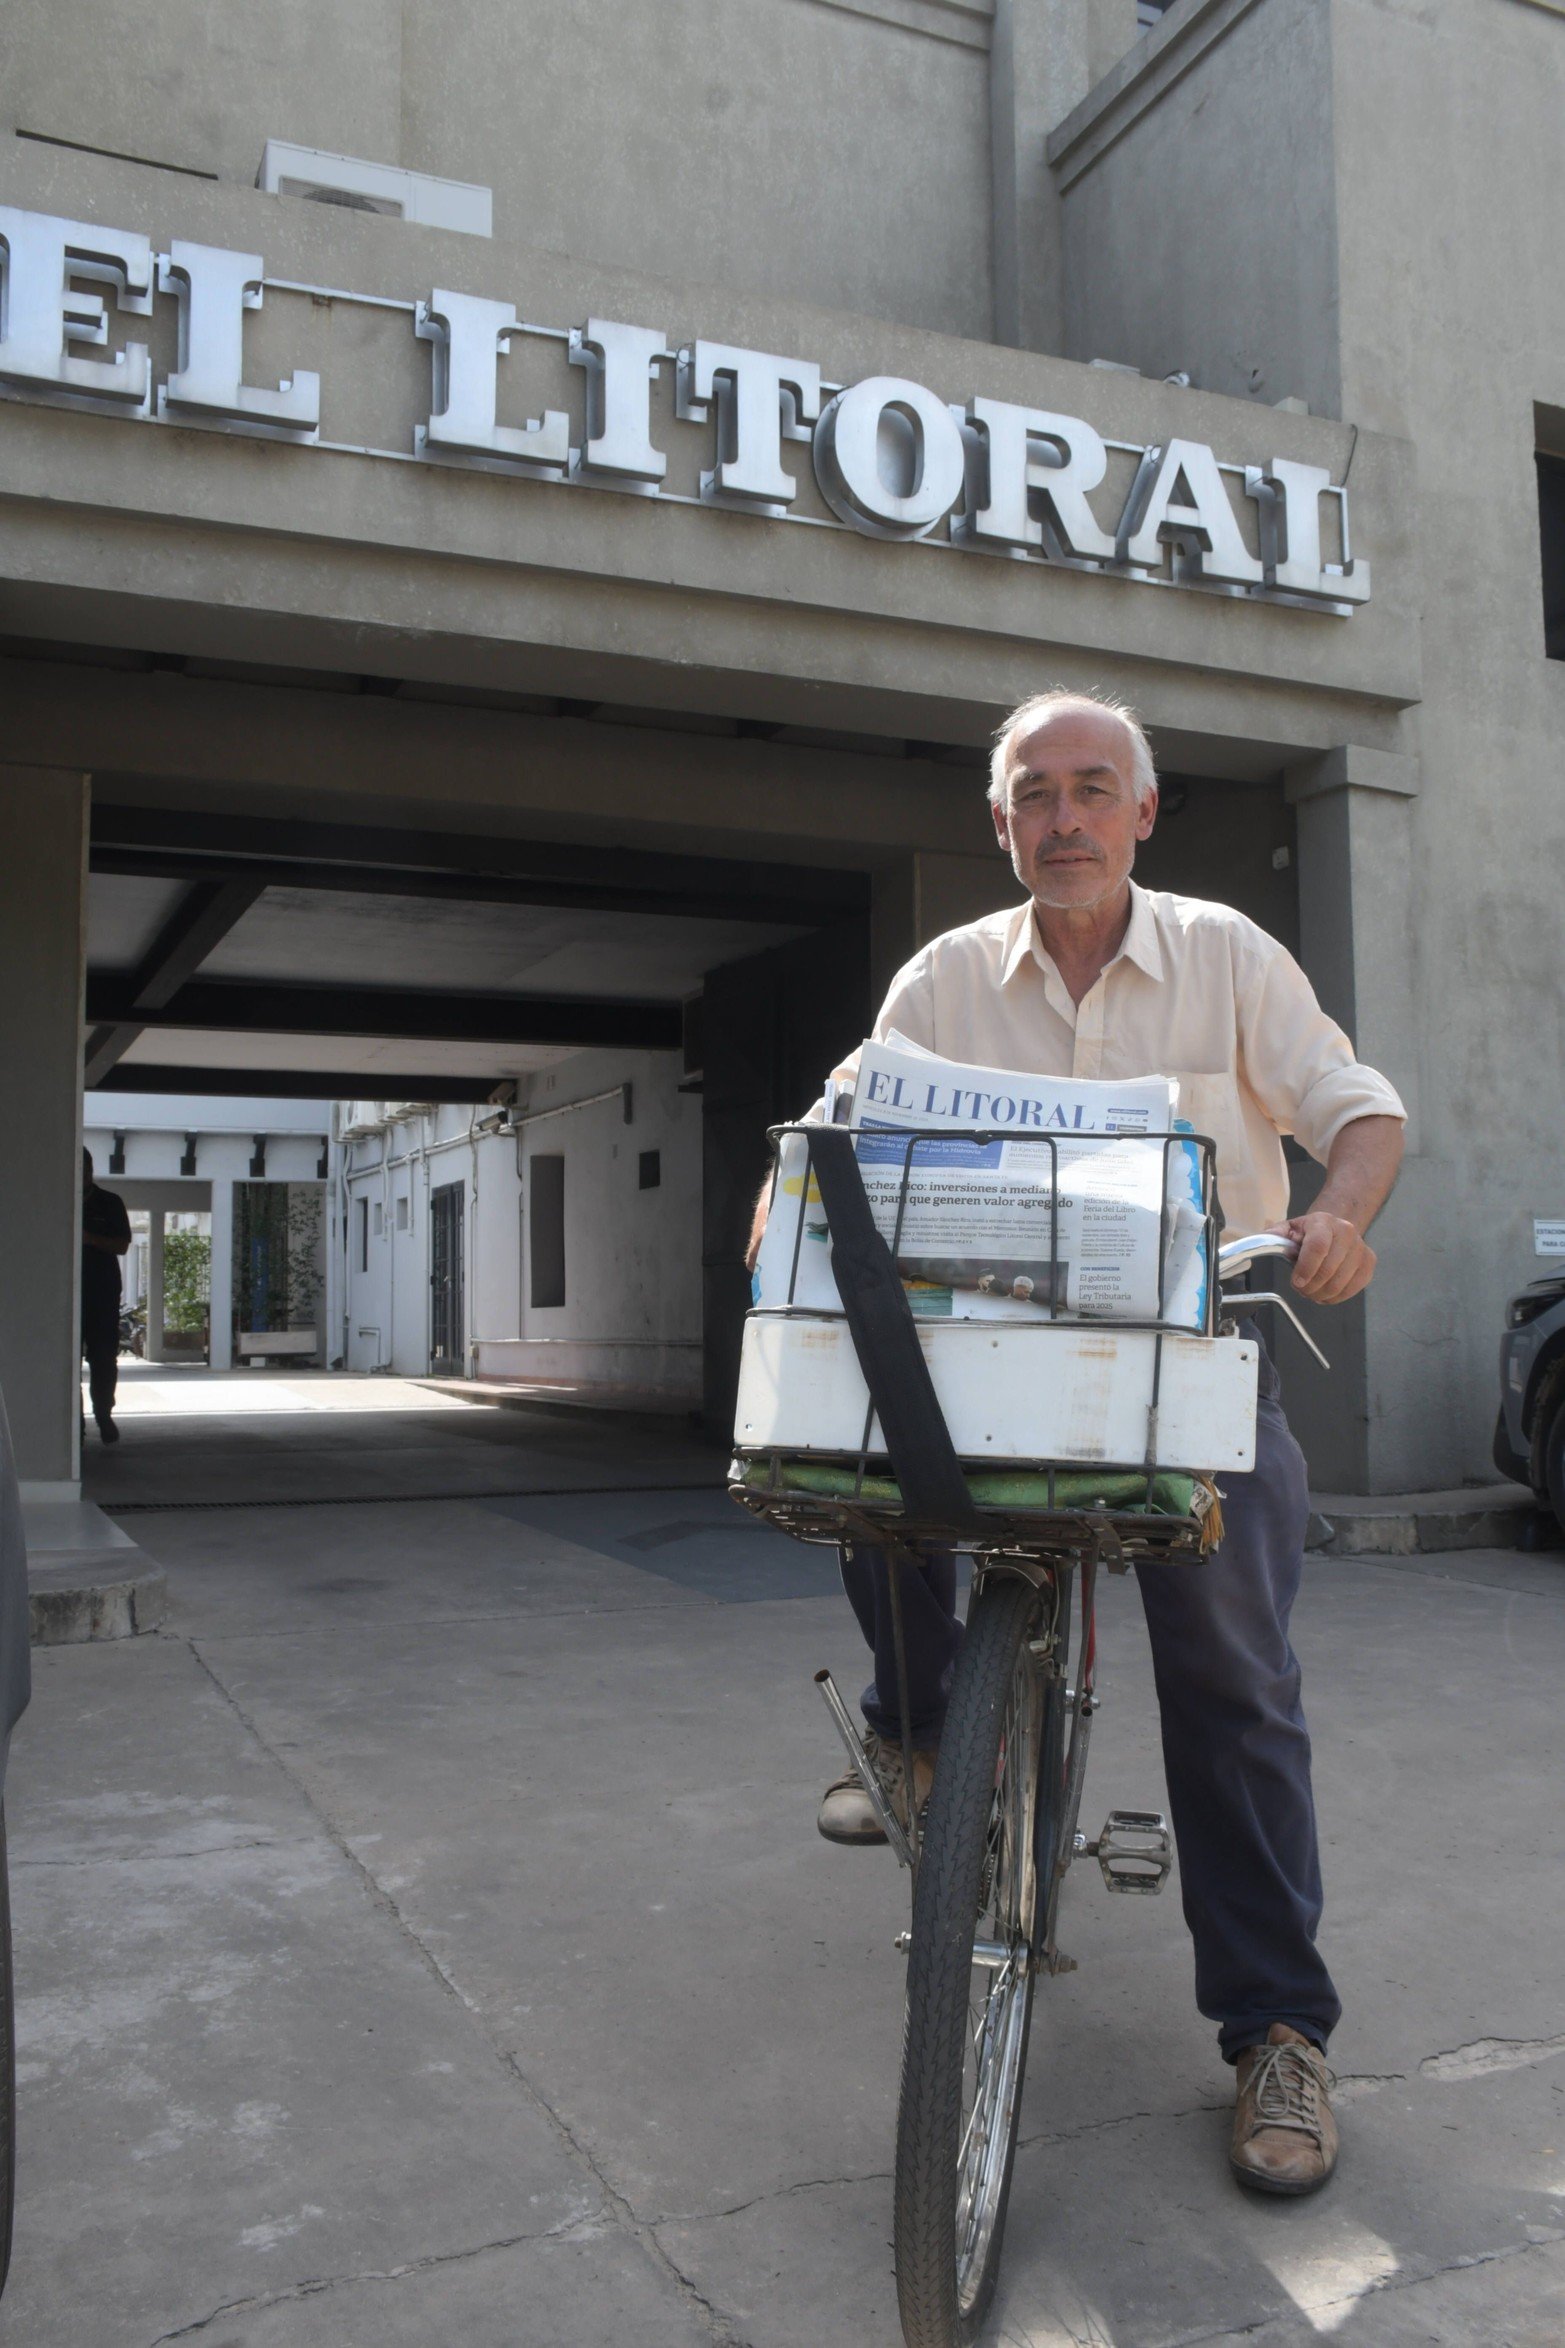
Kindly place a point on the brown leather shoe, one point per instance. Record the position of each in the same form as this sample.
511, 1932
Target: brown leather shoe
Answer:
1285, 2139
847, 1815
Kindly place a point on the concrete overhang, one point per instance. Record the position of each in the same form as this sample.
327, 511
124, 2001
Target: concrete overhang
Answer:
122, 532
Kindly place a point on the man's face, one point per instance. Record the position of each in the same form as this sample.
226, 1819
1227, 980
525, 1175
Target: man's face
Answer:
1070, 821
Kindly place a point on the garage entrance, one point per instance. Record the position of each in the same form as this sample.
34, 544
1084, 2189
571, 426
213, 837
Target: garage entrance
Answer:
381, 893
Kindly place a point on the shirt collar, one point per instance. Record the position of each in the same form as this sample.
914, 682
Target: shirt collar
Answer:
1141, 942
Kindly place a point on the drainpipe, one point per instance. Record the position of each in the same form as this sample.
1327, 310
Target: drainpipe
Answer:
1004, 226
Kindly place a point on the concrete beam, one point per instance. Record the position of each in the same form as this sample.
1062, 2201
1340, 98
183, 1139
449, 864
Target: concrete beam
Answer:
302, 1084
460, 867
403, 1013
1352, 766
201, 920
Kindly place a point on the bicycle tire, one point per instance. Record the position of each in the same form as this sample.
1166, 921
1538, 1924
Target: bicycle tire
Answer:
953, 2176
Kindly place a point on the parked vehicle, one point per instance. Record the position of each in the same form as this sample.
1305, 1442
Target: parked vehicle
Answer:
133, 1329
1529, 1434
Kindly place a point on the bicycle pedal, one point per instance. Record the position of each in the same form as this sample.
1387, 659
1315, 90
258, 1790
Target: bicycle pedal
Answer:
1135, 1850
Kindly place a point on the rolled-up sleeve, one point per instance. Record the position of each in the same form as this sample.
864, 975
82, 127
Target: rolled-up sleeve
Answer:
1298, 1062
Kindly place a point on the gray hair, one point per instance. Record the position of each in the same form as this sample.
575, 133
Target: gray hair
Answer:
1143, 773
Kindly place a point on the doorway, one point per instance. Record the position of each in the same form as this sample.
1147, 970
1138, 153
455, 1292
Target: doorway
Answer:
447, 1347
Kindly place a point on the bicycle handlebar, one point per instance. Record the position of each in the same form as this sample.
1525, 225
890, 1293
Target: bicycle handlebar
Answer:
1241, 1252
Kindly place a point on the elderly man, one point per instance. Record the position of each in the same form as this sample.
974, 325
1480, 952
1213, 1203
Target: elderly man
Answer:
1095, 977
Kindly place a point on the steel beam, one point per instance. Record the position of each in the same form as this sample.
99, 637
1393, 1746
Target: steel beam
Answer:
200, 921
303, 1084
191, 843
236, 1006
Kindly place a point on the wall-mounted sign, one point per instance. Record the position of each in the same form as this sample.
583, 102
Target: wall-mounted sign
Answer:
1548, 1236
891, 458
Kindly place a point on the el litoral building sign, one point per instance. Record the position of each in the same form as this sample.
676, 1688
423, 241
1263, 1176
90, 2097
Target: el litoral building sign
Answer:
889, 458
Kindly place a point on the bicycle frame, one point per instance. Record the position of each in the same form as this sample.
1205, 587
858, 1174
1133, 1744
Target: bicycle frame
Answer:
1096, 1539
1057, 1574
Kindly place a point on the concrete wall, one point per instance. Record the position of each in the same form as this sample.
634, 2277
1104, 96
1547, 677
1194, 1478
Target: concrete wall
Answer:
783, 145
832, 150
1198, 194
43, 820
150, 1120
632, 1311
1453, 325
1393, 261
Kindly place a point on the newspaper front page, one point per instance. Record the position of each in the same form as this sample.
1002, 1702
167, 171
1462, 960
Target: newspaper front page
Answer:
1032, 1193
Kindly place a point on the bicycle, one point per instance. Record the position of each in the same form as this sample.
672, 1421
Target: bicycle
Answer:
999, 1830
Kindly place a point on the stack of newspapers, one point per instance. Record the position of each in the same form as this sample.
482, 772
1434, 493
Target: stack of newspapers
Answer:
1022, 1196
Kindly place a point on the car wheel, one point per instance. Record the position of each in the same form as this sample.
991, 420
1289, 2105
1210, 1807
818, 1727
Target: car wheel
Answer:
1508, 1462
1553, 1452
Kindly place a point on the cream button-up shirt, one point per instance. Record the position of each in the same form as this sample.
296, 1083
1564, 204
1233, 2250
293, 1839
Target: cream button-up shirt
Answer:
1196, 991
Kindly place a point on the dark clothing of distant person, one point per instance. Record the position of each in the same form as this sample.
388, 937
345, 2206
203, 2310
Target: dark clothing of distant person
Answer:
104, 1216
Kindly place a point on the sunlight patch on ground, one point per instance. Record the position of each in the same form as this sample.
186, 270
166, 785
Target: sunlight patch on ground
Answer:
1327, 2280
250, 1393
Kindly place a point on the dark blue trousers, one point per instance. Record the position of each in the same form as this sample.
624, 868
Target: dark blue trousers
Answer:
1235, 1748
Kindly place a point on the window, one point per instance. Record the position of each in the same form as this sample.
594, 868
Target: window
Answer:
402, 1212
364, 1234
650, 1172
1151, 12
1551, 533
546, 1230
380, 1219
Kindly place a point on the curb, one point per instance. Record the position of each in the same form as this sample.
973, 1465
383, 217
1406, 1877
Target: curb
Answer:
1339, 1529
72, 1601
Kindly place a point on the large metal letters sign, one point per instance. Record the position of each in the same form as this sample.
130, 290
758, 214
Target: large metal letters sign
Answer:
892, 460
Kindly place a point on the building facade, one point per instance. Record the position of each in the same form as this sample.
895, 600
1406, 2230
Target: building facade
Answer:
516, 544
252, 1178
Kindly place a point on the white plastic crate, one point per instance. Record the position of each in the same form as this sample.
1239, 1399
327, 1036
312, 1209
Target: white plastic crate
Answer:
1066, 1392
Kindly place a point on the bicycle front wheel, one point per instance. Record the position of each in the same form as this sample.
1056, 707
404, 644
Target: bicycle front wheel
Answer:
979, 1912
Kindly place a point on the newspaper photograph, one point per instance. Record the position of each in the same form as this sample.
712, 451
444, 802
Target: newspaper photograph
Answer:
986, 1231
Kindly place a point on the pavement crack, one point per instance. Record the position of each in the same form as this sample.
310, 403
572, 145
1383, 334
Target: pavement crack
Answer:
721, 2328
1482, 2057
1118, 2120
315, 2286
154, 1858
701, 2217
1383, 2288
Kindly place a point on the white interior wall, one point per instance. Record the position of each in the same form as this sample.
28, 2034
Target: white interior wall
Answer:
632, 1315
632, 1310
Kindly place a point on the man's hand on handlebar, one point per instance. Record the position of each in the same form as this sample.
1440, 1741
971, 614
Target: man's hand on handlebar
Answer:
1335, 1260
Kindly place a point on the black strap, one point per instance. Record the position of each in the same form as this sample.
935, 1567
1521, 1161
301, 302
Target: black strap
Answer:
885, 1338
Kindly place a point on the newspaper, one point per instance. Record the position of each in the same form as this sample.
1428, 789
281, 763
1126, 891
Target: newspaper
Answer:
986, 1229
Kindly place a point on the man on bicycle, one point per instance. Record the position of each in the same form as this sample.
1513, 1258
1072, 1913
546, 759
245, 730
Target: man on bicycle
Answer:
1095, 977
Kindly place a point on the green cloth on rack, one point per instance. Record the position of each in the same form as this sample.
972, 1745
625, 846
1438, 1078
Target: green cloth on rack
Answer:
1011, 1488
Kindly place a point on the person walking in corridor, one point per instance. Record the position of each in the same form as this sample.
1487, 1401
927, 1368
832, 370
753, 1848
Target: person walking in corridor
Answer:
105, 1238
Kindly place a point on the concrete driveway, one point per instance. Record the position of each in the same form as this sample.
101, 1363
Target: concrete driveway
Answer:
425, 1939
